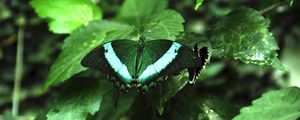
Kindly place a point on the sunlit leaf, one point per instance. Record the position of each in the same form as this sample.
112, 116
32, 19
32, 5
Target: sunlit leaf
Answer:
66, 15
282, 104
81, 97
243, 34
79, 43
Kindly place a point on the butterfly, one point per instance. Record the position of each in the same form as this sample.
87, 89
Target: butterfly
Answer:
143, 64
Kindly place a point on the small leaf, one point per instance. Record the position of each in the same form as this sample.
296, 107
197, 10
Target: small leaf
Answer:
166, 25
137, 12
198, 4
243, 34
81, 97
282, 104
290, 2
66, 15
79, 43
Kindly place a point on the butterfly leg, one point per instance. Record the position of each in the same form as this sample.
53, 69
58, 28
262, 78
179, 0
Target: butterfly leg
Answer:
117, 99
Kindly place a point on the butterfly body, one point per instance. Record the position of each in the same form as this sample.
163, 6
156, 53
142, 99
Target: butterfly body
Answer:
141, 64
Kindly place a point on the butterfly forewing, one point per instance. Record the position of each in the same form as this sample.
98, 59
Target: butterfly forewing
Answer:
113, 58
165, 57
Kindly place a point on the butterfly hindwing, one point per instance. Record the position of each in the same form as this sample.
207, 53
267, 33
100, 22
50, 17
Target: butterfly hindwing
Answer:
126, 51
186, 58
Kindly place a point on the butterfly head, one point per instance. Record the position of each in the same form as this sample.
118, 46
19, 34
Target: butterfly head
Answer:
134, 83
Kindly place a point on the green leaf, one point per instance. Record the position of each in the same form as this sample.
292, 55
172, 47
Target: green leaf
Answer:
79, 43
243, 34
66, 15
137, 12
290, 2
166, 25
151, 19
81, 97
198, 4
282, 104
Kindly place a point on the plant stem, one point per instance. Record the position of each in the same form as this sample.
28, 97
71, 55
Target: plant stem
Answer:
18, 70
272, 7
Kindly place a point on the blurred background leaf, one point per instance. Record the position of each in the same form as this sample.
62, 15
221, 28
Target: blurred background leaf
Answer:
66, 15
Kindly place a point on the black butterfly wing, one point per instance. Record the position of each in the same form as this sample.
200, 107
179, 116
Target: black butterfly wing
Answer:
114, 58
165, 57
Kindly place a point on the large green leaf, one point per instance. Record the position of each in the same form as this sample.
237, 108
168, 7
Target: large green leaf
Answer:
166, 25
79, 43
282, 104
137, 12
81, 97
243, 34
66, 15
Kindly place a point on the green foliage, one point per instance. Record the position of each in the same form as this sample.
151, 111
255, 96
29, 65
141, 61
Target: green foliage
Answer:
283, 104
66, 15
80, 97
151, 19
200, 108
198, 4
243, 34
108, 109
79, 43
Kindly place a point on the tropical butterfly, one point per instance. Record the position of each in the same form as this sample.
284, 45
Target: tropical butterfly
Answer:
143, 64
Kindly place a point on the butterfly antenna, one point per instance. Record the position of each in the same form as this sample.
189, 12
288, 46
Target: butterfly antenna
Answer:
148, 30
